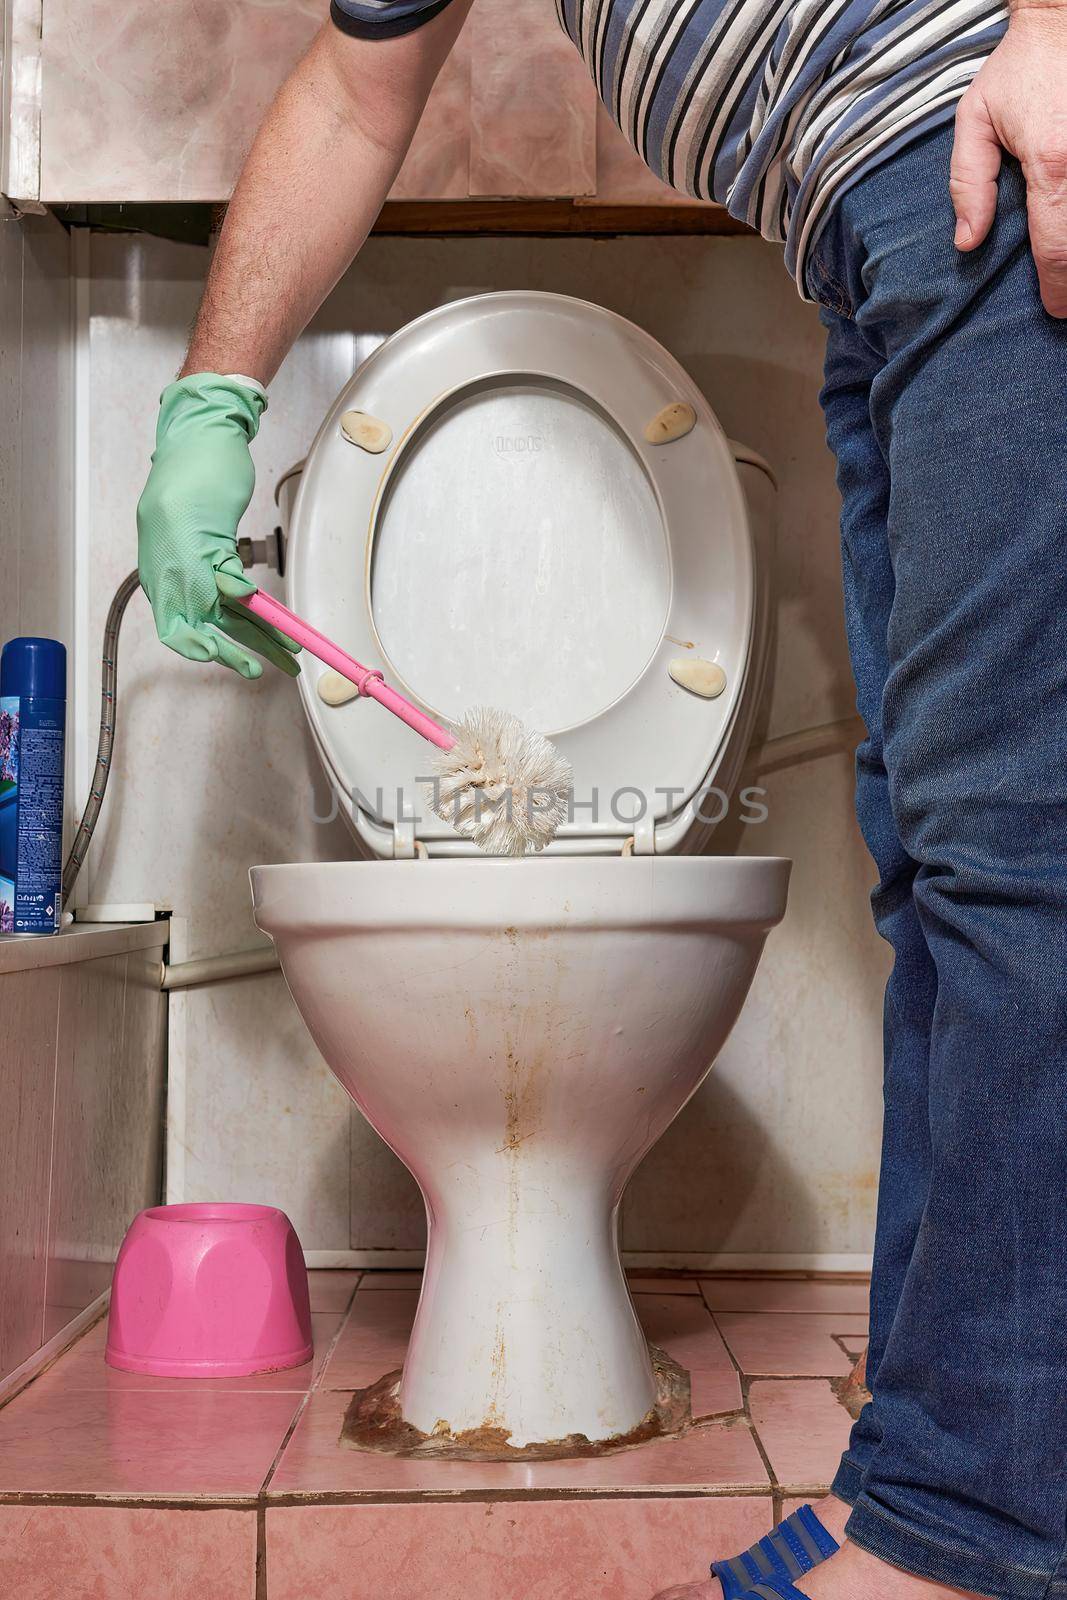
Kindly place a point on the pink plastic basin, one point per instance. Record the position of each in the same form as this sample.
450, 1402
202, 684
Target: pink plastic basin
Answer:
209, 1291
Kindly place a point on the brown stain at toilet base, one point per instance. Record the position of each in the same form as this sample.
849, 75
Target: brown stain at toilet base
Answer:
852, 1392
373, 1423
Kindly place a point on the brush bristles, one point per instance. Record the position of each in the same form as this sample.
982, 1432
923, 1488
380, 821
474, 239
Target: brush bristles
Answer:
503, 786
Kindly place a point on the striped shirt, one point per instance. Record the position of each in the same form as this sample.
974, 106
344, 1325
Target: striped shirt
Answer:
771, 107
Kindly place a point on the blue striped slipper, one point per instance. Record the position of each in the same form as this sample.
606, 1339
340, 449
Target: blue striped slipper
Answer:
774, 1589
799, 1543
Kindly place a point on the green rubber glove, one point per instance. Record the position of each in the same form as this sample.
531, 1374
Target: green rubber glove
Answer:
197, 492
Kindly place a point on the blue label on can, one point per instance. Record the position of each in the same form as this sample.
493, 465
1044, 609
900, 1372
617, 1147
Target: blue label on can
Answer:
31, 813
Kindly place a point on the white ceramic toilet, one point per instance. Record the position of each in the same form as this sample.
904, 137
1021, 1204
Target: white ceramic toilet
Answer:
520, 1032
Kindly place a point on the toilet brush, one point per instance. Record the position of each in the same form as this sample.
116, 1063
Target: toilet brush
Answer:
498, 783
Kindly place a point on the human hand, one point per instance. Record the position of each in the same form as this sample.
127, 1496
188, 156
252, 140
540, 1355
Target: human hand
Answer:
1018, 103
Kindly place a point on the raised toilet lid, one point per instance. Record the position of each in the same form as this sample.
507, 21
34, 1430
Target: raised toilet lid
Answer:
520, 545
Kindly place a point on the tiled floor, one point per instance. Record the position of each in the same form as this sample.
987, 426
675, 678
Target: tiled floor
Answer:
113, 1484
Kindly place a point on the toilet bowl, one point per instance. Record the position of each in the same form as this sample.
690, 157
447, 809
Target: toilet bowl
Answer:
520, 1032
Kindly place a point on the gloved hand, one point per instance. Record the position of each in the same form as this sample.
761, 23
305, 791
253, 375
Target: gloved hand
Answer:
197, 492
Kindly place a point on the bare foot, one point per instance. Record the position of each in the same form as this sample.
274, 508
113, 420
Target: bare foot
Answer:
854, 1574
832, 1513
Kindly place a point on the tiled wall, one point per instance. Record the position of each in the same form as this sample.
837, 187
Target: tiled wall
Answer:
83, 1024
166, 113
776, 1155
36, 430
81, 1041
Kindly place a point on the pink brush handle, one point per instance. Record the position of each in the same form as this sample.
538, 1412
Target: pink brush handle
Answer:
366, 679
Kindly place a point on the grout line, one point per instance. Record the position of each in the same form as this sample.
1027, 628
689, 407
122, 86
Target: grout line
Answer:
796, 1377
261, 1550
342, 1323
294, 1423
745, 1383
759, 1268
291, 1499
150, 1502
764, 1457
325, 1497
290, 1430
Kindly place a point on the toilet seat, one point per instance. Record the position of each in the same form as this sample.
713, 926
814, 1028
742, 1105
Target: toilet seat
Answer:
653, 738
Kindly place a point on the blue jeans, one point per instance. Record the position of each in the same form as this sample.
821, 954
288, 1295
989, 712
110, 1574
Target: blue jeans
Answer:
946, 408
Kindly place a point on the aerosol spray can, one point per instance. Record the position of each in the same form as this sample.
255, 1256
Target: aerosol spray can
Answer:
33, 710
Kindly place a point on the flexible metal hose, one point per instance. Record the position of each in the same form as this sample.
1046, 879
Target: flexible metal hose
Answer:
108, 688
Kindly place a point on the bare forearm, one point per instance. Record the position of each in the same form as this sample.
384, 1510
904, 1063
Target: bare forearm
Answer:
313, 184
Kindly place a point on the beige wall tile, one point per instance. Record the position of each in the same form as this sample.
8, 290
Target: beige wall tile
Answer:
437, 165
173, 122
171, 119
266, 1122
29, 1011
533, 105
388, 1212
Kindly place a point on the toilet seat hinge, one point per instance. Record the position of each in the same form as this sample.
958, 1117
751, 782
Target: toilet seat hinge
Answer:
642, 842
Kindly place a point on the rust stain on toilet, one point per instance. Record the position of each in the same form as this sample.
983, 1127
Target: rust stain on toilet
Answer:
498, 1368
523, 1099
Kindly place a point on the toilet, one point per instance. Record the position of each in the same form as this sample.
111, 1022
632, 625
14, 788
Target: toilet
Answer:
521, 1031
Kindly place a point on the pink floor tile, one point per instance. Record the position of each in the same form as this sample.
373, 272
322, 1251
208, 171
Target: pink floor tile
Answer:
112, 1552
373, 1340
331, 1289
682, 1325
803, 1427
721, 1456
802, 1345
785, 1294
651, 1283
58, 1440
506, 1550
391, 1280
84, 1367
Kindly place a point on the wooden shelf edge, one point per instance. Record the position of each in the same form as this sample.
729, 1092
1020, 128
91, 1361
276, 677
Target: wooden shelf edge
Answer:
194, 222
434, 218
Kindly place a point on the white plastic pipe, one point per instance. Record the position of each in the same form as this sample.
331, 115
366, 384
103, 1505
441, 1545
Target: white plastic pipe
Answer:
811, 744
216, 969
